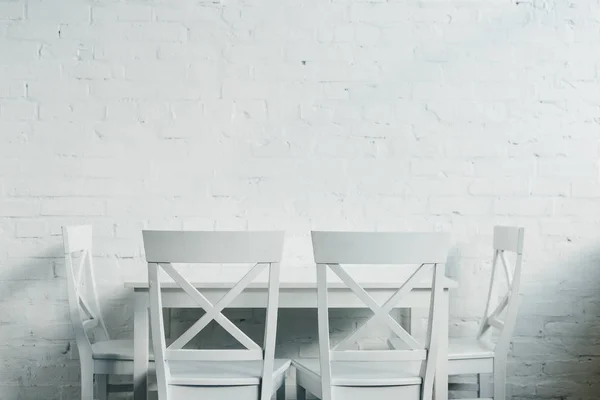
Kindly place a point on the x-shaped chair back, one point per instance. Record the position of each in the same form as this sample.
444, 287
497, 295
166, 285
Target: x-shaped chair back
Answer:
331, 249
163, 248
506, 239
84, 307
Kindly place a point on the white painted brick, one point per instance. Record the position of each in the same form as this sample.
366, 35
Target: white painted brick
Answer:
154, 71
460, 205
130, 31
189, 12
12, 89
585, 188
39, 30
527, 206
14, 52
92, 70
440, 167
550, 187
67, 51
567, 168
499, 187
19, 208
504, 167
32, 229
121, 12
123, 51
12, 11
189, 51
57, 90
77, 111
66, 207
39, 10
574, 207
18, 110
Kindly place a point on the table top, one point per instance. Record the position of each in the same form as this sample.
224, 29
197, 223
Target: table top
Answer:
289, 285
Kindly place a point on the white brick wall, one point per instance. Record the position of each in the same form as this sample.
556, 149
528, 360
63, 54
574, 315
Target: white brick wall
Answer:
374, 114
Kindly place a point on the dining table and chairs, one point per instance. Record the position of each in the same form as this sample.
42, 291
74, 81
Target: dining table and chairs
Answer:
415, 363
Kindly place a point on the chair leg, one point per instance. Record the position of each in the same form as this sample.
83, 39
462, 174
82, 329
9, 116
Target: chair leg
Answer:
500, 380
485, 390
102, 387
281, 392
300, 393
87, 380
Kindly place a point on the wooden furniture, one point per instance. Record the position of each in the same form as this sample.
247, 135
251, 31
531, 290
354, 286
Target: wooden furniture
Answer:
292, 294
102, 357
344, 373
222, 374
480, 355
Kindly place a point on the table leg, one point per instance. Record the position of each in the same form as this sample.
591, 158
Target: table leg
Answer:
141, 342
441, 374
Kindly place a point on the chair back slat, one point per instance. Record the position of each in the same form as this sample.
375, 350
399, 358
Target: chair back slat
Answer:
212, 247
379, 247
163, 249
506, 240
509, 238
79, 238
84, 307
428, 250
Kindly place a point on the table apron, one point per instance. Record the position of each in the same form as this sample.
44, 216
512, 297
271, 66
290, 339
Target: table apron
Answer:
292, 298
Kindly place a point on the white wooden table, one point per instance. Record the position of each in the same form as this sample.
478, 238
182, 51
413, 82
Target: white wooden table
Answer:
292, 295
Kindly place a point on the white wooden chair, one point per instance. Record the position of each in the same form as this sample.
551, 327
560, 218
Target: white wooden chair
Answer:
480, 355
221, 374
344, 374
102, 356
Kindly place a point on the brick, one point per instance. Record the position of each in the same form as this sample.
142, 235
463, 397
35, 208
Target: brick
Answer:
19, 208
152, 71
92, 70
12, 89
124, 51
18, 110
121, 12
513, 167
460, 205
152, 32
567, 168
31, 229
39, 10
499, 187
77, 111
72, 207
57, 90
14, 52
12, 11
441, 167
189, 12
550, 187
528, 206
41, 31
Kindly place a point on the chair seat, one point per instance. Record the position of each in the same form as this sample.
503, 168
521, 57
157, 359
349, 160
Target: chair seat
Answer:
114, 350
351, 373
223, 373
468, 349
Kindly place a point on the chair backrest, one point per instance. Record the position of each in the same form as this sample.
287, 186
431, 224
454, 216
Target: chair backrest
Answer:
84, 307
506, 240
399, 249
262, 249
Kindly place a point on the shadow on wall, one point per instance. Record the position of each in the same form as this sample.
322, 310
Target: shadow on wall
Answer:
556, 338
36, 334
